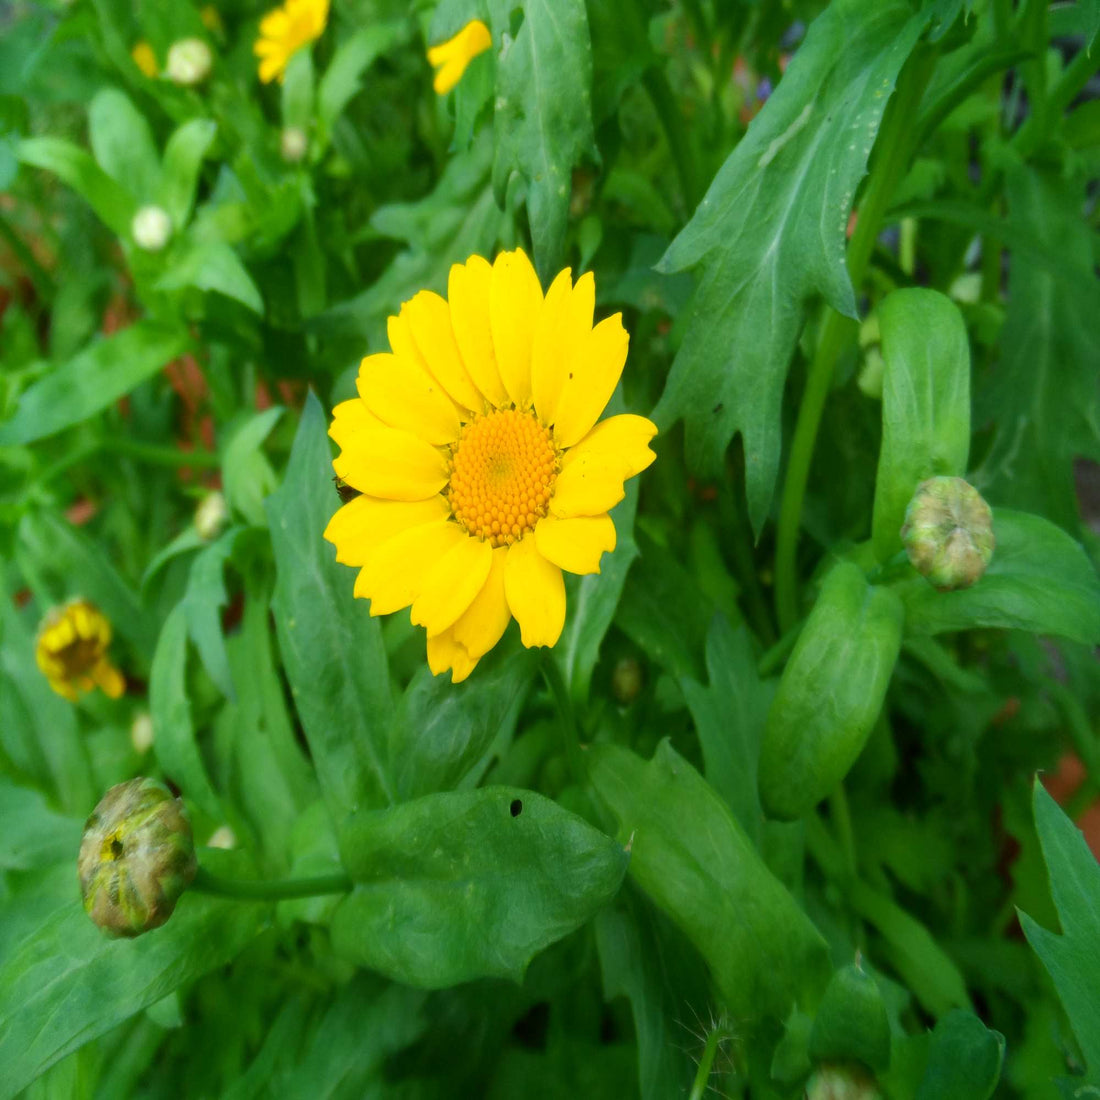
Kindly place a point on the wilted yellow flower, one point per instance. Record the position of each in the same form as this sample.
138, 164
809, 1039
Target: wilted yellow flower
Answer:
482, 469
144, 58
450, 58
286, 30
72, 650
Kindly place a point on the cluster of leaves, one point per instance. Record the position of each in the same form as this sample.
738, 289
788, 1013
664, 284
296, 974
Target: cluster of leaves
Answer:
644, 917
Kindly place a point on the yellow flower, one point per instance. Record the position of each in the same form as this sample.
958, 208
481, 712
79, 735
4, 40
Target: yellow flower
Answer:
72, 650
482, 469
286, 30
145, 59
450, 58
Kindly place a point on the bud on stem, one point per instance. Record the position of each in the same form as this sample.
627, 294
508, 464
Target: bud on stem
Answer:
948, 533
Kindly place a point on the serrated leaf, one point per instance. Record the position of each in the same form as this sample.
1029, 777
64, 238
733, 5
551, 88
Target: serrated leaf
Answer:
543, 120
470, 884
1073, 958
1039, 580
769, 235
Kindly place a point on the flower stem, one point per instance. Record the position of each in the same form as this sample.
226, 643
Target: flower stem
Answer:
893, 156
706, 1062
161, 456
206, 882
551, 673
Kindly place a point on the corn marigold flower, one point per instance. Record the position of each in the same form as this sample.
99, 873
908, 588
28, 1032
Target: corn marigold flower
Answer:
145, 59
284, 31
71, 651
450, 58
481, 469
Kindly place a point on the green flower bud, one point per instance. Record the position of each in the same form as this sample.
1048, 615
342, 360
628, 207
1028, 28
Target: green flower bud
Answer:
211, 515
841, 1083
627, 680
948, 533
189, 61
137, 857
293, 144
151, 228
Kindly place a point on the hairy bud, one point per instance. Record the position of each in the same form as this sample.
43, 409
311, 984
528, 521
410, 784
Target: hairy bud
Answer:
948, 533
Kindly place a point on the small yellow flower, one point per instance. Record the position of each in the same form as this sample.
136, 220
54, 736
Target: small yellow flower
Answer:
450, 58
286, 30
72, 651
481, 468
145, 59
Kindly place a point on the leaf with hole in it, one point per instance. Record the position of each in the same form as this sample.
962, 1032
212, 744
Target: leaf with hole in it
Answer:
469, 884
769, 235
1073, 958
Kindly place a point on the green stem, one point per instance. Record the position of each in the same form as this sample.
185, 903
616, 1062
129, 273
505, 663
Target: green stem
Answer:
161, 456
842, 823
676, 131
772, 658
551, 673
206, 882
894, 152
706, 1062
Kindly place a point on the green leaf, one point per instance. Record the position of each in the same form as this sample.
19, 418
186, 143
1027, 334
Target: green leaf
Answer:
93, 379
594, 599
729, 717
769, 235
297, 91
246, 474
445, 734
469, 884
332, 648
203, 602
123, 145
964, 1059
113, 206
66, 983
689, 854
213, 266
32, 834
1073, 958
925, 404
543, 121
1039, 580
1043, 399
179, 177
342, 77
178, 752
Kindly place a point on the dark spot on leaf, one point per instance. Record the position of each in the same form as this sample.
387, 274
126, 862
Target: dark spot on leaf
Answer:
719, 407
516, 807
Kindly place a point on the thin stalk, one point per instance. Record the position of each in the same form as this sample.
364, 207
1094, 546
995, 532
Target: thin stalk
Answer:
706, 1063
676, 131
895, 150
772, 658
842, 823
551, 673
206, 882
161, 456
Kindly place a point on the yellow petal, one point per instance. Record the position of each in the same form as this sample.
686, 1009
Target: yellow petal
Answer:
483, 625
272, 67
468, 292
451, 585
362, 525
349, 419
590, 485
515, 298
396, 465
624, 438
536, 594
275, 24
392, 577
446, 653
109, 679
575, 544
456, 53
561, 335
587, 388
430, 322
399, 391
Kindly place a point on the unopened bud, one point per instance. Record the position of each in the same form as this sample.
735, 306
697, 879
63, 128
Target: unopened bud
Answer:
137, 857
948, 533
841, 1083
222, 837
626, 680
293, 144
151, 228
210, 515
189, 61
141, 733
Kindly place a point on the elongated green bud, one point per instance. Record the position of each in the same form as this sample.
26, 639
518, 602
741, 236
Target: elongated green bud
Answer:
137, 857
948, 533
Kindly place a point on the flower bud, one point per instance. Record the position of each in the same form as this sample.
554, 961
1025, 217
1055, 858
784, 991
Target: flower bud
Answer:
141, 732
222, 837
626, 680
210, 515
293, 144
151, 228
841, 1082
71, 651
137, 857
189, 61
948, 533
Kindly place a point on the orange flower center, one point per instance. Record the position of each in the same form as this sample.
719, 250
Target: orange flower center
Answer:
502, 475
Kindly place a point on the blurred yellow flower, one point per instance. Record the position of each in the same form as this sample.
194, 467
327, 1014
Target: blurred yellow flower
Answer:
145, 59
481, 468
72, 650
450, 58
212, 20
286, 30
